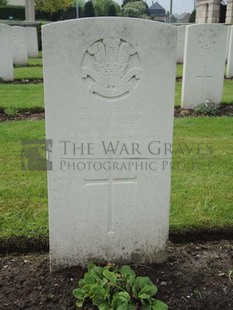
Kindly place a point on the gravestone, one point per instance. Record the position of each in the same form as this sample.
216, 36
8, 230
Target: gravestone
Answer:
180, 44
109, 121
31, 41
19, 48
204, 64
6, 60
228, 39
229, 72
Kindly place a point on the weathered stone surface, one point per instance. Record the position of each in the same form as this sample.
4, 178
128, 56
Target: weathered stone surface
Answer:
6, 60
204, 64
19, 48
229, 73
109, 80
31, 41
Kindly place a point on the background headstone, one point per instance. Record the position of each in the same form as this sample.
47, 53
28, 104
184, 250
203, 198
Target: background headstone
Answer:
6, 60
180, 44
229, 72
105, 81
31, 41
19, 48
204, 64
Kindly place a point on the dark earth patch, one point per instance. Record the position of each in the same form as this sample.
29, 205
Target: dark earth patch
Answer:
197, 276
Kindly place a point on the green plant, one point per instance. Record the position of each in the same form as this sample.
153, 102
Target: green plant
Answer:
115, 288
207, 108
10, 111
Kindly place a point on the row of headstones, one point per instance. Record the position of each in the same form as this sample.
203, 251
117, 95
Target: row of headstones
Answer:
109, 98
17, 44
204, 58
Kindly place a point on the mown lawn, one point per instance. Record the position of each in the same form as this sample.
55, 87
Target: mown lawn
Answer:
202, 183
20, 96
28, 73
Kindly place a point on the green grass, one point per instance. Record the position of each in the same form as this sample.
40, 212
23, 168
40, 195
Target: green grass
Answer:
226, 98
179, 71
202, 197
21, 95
28, 73
23, 202
35, 61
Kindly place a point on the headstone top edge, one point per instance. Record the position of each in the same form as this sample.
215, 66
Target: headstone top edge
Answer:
109, 18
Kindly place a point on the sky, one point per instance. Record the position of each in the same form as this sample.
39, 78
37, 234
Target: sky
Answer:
179, 6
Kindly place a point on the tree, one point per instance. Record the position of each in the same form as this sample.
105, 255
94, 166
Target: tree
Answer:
3, 2
127, 1
102, 7
52, 6
88, 10
112, 10
192, 17
135, 9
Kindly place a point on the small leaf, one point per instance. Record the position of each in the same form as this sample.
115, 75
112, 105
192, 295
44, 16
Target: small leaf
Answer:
78, 293
159, 305
150, 290
79, 303
143, 296
127, 271
110, 276
98, 301
121, 301
104, 306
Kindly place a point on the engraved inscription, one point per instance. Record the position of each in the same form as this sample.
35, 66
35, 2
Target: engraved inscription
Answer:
207, 38
111, 68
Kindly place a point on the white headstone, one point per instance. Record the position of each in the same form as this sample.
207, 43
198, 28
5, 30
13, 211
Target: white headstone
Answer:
6, 60
204, 64
19, 48
180, 44
229, 73
31, 41
228, 39
107, 80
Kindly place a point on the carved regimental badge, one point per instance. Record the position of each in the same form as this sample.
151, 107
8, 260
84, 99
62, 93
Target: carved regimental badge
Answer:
111, 68
207, 38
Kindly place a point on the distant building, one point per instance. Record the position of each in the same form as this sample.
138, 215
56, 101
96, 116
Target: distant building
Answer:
158, 13
214, 11
183, 18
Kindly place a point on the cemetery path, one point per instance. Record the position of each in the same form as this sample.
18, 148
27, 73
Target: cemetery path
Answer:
197, 276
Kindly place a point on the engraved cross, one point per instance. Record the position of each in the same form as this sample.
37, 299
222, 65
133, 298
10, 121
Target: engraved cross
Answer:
204, 76
110, 182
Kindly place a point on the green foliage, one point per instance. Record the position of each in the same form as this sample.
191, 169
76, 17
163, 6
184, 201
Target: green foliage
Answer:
10, 111
15, 11
135, 9
112, 10
88, 10
102, 7
207, 108
3, 2
192, 17
52, 6
127, 1
114, 288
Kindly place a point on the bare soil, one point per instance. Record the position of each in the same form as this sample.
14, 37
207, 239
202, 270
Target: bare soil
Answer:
197, 276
